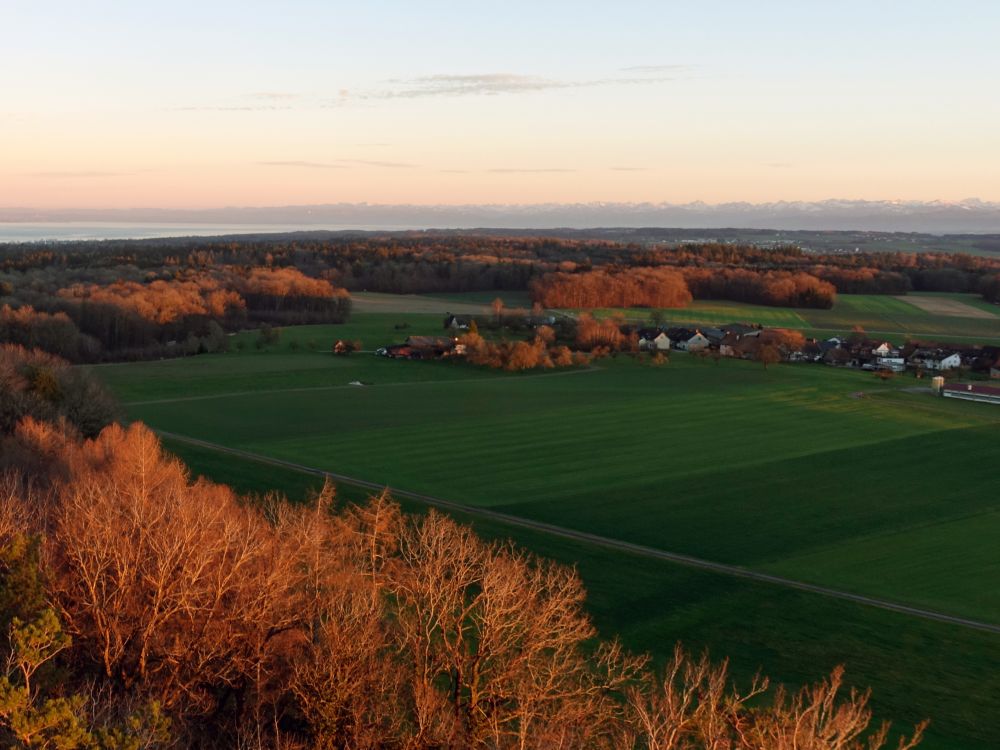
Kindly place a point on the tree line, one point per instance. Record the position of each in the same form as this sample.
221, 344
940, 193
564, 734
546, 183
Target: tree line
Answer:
455, 262
85, 316
669, 287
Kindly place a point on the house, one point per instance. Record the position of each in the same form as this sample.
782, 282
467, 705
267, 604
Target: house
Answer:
828, 344
885, 349
396, 351
969, 392
457, 322
653, 339
837, 357
678, 336
423, 347
995, 370
748, 347
982, 358
812, 351
714, 335
696, 343
740, 329
894, 364
728, 345
935, 359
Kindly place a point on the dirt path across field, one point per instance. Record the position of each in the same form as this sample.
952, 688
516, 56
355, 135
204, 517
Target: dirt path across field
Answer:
601, 541
944, 306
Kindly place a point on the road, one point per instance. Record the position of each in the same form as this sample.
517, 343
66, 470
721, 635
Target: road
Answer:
601, 541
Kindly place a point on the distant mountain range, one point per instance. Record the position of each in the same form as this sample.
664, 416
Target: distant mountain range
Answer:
936, 217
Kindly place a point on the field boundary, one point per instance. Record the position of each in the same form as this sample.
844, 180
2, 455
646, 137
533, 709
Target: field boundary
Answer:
735, 571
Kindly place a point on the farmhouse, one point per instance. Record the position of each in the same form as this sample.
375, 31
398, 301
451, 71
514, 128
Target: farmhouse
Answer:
837, 357
423, 347
457, 322
895, 364
741, 329
972, 392
714, 335
935, 359
679, 335
653, 339
728, 345
695, 343
812, 351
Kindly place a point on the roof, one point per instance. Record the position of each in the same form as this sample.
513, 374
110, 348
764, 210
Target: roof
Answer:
933, 354
649, 333
431, 342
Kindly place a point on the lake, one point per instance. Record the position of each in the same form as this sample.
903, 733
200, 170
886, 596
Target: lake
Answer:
75, 231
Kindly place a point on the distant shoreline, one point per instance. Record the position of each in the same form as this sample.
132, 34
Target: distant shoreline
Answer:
82, 231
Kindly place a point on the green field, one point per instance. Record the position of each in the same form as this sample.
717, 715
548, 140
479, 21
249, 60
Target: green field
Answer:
879, 315
818, 474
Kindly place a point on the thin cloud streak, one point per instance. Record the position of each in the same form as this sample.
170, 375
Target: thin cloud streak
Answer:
505, 170
84, 174
301, 164
273, 95
233, 108
495, 84
383, 164
444, 85
337, 164
657, 69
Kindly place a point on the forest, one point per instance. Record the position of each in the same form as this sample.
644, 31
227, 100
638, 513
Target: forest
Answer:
143, 608
668, 287
121, 313
121, 300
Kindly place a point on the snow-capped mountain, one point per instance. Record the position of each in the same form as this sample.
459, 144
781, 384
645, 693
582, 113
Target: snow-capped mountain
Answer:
967, 216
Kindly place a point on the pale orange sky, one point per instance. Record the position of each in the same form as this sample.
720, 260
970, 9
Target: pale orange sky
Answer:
449, 104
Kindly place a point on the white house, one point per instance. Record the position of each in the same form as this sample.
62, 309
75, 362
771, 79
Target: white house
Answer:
945, 363
695, 344
936, 359
896, 364
654, 341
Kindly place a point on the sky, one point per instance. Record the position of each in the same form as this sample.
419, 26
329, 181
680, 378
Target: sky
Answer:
214, 103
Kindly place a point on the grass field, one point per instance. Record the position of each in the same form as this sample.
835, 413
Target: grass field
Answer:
786, 470
916, 668
880, 315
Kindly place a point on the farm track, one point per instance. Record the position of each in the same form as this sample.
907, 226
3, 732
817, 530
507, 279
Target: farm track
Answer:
594, 539
348, 386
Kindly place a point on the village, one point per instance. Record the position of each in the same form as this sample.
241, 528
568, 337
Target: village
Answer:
736, 340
